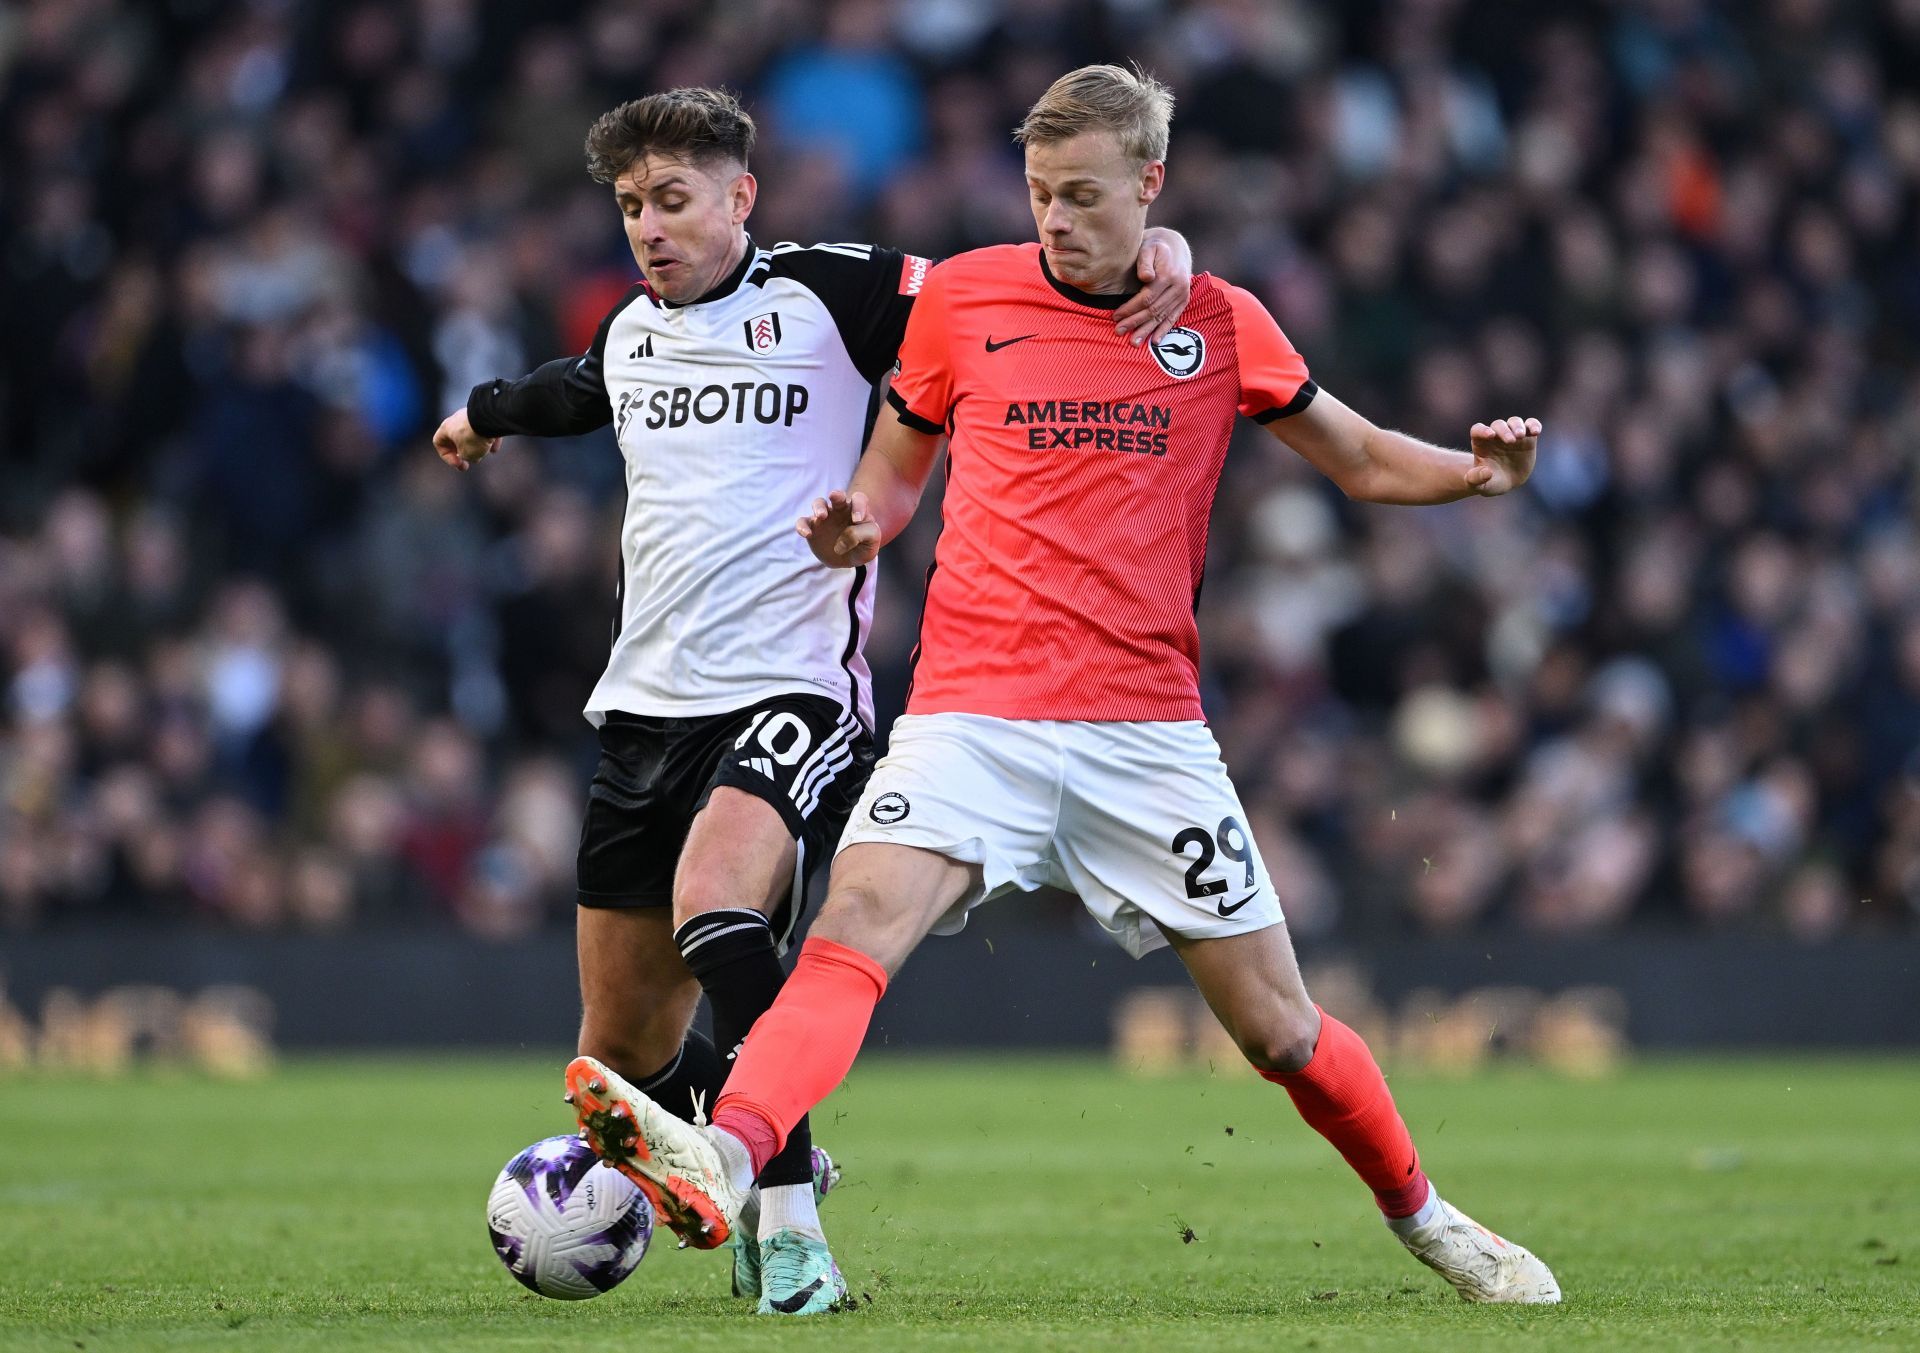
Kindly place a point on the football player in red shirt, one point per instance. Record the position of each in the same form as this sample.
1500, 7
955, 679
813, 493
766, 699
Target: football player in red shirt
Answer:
1054, 733
694, 852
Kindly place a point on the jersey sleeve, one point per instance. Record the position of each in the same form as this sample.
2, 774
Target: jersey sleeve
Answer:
869, 291
563, 398
1273, 376
922, 389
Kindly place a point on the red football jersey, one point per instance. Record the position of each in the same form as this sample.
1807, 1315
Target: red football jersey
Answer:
1081, 476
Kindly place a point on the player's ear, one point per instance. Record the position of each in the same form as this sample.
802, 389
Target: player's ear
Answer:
745, 190
1153, 177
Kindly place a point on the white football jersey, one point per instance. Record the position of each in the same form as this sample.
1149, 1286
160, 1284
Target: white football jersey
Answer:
733, 413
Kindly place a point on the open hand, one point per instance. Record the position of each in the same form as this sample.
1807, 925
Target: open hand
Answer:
1502, 455
841, 531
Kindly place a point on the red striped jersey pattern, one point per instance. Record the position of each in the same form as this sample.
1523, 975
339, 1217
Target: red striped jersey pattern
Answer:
1082, 472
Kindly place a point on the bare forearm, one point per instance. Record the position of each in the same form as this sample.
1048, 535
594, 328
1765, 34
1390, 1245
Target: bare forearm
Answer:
892, 495
1375, 465
1409, 472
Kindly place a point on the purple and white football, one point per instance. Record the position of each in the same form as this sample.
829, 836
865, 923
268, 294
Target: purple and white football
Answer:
566, 1225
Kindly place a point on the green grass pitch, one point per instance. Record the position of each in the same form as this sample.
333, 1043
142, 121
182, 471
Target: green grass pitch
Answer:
1025, 1204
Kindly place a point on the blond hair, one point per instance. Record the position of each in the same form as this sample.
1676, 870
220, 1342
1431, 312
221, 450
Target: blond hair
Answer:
1131, 104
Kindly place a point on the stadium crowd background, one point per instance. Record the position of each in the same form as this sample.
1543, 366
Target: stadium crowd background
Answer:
267, 663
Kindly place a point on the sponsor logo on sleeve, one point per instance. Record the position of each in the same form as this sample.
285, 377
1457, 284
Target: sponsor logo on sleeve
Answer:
913, 274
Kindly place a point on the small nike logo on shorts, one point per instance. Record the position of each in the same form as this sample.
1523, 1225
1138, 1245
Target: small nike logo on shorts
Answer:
995, 347
1226, 910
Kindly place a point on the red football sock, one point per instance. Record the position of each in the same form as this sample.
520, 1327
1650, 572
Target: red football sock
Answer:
1344, 1098
801, 1048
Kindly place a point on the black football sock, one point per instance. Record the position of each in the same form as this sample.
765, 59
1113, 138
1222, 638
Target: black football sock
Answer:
693, 1077
731, 952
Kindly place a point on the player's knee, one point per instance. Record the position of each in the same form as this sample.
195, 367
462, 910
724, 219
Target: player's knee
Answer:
696, 892
860, 918
850, 915
1284, 1042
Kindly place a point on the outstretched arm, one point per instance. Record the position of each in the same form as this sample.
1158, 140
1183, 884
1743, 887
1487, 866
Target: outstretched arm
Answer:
1374, 465
564, 398
849, 526
1166, 268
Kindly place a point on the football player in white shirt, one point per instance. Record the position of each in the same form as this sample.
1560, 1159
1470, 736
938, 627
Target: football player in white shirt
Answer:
735, 715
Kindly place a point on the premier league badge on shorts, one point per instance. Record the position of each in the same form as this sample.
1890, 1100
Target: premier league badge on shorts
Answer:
1181, 353
763, 331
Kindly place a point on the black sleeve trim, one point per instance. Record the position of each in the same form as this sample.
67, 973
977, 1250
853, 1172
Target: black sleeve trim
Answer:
862, 293
1302, 398
910, 418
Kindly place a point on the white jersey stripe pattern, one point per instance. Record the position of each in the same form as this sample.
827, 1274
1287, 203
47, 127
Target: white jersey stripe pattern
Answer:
832, 756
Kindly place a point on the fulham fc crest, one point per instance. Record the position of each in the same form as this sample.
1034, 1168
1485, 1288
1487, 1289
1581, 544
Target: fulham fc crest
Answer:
763, 332
1181, 353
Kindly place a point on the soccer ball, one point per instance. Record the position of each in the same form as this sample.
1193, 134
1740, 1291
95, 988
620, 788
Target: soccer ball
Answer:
566, 1225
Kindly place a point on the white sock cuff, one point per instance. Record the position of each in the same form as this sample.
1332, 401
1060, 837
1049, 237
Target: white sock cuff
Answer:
789, 1207
1428, 1214
734, 1156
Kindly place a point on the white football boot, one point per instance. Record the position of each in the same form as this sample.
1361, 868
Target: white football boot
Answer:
674, 1163
1480, 1265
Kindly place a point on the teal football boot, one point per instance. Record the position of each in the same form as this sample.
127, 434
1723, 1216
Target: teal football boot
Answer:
746, 1241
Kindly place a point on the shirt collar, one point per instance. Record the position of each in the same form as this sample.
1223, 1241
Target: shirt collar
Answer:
1093, 299
726, 286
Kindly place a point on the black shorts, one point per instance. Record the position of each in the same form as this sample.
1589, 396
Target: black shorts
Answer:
803, 754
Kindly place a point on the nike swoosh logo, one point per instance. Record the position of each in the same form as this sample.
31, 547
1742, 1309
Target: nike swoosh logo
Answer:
995, 347
788, 1305
1225, 910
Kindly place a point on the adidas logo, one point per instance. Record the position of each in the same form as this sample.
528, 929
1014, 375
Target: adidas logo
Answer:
644, 350
759, 763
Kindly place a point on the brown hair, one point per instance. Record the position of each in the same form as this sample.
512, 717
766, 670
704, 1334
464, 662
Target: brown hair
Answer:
1131, 104
688, 124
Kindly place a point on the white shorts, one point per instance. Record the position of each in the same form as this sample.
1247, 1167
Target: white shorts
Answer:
1139, 819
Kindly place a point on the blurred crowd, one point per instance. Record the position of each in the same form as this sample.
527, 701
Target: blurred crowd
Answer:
267, 663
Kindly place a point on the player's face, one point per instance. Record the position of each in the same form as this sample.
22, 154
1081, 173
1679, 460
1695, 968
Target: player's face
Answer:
684, 221
1090, 202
